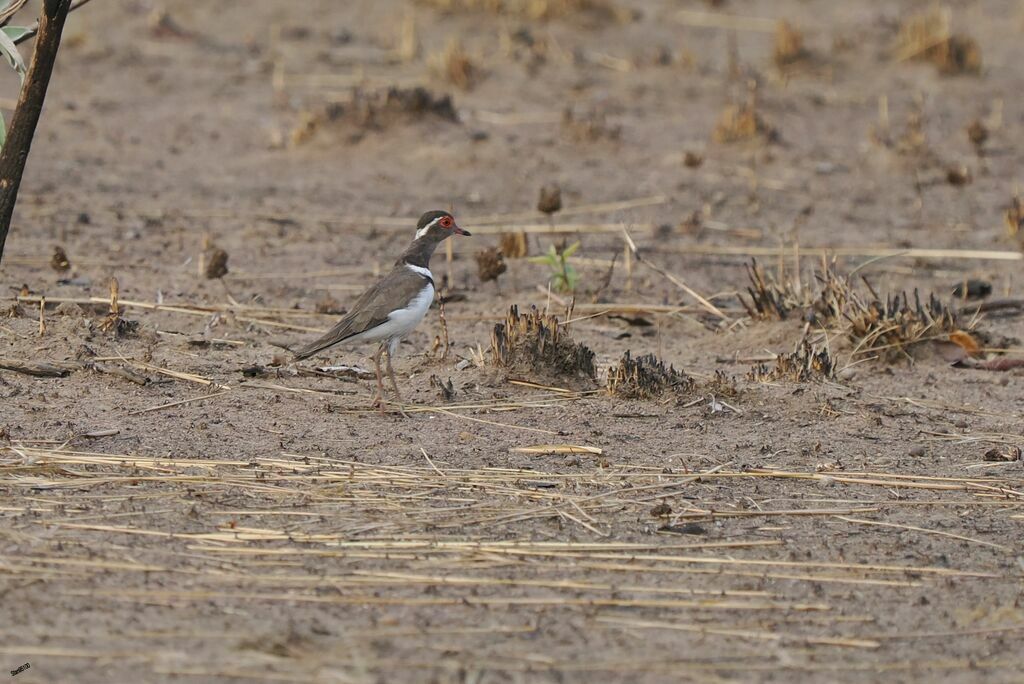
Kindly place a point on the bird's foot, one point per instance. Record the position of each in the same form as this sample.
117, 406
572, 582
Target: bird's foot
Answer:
382, 405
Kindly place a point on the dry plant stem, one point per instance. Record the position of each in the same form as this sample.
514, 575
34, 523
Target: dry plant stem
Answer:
10, 11
191, 310
817, 251
711, 308
628, 254
722, 20
444, 328
30, 106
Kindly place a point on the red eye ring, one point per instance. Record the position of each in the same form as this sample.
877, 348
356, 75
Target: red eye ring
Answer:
446, 222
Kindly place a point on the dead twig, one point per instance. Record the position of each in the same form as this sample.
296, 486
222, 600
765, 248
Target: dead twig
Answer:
39, 369
707, 305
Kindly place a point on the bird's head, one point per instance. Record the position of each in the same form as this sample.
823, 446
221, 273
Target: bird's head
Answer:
438, 225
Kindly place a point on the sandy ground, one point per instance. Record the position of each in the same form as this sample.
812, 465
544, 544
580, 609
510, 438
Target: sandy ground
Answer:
218, 524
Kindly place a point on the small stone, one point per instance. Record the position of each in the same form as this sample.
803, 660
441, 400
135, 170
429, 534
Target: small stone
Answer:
916, 451
692, 160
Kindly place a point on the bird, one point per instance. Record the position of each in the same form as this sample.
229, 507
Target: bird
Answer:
393, 306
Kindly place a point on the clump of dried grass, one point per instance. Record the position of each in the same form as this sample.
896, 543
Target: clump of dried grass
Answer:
912, 141
445, 389
114, 322
803, 365
889, 327
490, 264
1015, 219
771, 297
645, 377
789, 46
215, 260
739, 123
977, 133
455, 66
927, 36
533, 343
601, 10
59, 262
514, 245
589, 125
376, 110
892, 327
721, 384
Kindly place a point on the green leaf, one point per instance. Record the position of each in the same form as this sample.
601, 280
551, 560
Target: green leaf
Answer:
571, 277
16, 32
570, 250
10, 52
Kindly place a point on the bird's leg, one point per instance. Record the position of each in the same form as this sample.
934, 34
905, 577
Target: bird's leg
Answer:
379, 401
394, 384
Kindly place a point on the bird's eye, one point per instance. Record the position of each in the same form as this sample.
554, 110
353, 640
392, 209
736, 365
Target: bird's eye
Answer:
446, 222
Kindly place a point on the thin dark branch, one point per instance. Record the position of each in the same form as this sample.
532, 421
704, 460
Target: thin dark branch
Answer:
30, 106
1009, 306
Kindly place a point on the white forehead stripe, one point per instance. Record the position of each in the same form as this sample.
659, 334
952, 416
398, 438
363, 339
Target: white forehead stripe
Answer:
423, 231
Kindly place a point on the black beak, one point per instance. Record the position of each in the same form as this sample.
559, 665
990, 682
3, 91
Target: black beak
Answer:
460, 231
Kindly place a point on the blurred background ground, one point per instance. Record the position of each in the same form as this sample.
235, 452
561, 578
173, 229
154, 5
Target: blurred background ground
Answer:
216, 526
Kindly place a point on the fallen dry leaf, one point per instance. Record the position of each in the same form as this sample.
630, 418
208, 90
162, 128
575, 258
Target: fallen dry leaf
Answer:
966, 342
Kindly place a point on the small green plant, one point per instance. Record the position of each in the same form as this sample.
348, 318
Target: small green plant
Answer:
563, 275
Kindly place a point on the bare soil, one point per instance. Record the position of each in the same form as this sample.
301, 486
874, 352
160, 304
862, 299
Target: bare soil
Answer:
224, 524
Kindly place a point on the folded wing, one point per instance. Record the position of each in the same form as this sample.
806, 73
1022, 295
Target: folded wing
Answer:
372, 309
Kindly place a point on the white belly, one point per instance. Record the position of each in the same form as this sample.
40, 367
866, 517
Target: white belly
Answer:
400, 322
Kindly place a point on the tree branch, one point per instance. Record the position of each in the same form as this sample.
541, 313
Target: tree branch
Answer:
30, 106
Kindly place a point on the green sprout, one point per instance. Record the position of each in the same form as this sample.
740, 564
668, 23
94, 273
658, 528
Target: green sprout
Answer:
563, 275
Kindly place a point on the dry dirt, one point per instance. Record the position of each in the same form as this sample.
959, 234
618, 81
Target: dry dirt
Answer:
212, 526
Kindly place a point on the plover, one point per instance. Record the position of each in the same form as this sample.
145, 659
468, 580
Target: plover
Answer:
396, 303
